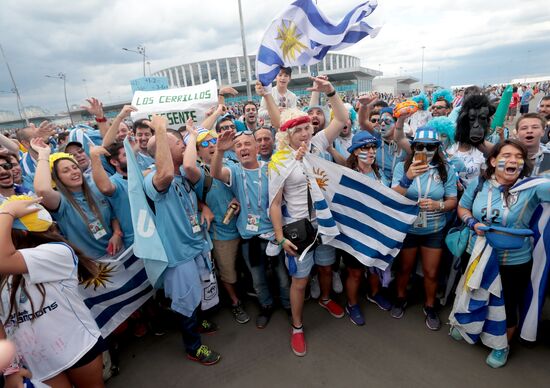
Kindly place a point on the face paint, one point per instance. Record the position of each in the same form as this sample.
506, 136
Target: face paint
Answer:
521, 163
501, 163
429, 156
363, 155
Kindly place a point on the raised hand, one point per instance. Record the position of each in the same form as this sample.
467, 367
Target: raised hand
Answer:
126, 110
321, 85
226, 140
190, 128
158, 123
39, 145
18, 209
227, 90
260, 89
366, 99
95, 108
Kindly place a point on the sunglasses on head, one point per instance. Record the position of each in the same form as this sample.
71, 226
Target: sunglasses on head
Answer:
205, 143
247, 132
7, 165
227, 127
428, 147
387, 121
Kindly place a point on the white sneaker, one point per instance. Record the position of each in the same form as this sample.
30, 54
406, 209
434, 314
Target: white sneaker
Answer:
337, 282
314, 290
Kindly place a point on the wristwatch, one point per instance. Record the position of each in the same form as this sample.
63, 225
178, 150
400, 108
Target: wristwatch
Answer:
441, 205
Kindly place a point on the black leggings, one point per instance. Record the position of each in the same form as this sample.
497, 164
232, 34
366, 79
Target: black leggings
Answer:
515, 279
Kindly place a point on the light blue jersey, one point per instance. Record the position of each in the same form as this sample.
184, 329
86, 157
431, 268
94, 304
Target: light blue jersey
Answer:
388, 155
382, 178
517, 215
177, 219
121, 206
218, 198
91, 236
437, 191
144, 161
251, 189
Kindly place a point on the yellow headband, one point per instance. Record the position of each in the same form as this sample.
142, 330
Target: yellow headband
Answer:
59, 155
39, 221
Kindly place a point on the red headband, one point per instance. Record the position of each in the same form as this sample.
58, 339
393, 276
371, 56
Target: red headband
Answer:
294, 122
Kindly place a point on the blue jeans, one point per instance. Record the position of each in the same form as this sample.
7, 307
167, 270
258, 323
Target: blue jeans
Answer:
257, 268
191, 337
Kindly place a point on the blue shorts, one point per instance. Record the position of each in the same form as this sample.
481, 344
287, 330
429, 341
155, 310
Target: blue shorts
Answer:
432, 240
323, 255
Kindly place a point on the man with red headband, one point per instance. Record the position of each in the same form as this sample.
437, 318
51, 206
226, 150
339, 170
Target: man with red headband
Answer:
289, 186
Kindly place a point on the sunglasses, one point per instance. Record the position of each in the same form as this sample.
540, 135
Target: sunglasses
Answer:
7, 166
374, 121
247, 132
437, 107
227, 127
368, 147
387, 121
205, 143
427, 147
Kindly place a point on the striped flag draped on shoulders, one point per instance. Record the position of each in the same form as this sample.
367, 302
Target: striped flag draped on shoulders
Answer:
353, 212
303, 35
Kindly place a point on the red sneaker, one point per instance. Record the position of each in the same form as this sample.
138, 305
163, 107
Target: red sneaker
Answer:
333, 308
298, 343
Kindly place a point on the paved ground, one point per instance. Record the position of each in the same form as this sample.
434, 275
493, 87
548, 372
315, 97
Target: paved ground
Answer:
385, 352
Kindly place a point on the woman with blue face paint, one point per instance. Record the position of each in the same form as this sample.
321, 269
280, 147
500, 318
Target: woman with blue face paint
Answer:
501, 202
430, 180
363, 159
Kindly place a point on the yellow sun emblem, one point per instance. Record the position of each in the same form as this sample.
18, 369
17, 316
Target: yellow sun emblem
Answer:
102, 278
278, 159
321, 178
290, 40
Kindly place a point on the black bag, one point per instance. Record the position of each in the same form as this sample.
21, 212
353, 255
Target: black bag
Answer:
301, 233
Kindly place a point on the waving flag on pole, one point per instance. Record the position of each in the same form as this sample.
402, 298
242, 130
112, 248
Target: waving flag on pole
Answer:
147, 243
302, 35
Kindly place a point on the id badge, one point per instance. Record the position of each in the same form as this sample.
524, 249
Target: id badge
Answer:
97, 229
195, 226
421, 220
253, 223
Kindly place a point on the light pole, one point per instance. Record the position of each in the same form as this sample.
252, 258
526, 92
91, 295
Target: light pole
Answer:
422, 73
64, 78
15, 90
246, 61
85, 87
19, 108
149, 67
140, 51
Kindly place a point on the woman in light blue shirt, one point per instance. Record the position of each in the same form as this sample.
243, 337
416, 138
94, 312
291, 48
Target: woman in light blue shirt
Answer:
431, 181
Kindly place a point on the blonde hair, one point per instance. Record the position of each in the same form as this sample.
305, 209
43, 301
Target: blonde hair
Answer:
282, 138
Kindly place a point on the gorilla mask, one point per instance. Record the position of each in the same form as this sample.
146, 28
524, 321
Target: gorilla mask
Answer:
479, 123
474, 120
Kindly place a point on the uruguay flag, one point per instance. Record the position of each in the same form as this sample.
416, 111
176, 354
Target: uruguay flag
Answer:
302, 35
147, 243
354, 212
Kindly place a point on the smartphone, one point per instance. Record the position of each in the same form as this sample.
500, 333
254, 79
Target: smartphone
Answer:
421, 156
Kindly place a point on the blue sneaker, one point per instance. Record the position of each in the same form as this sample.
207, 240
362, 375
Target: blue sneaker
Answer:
498, 357
355, 315
380, 301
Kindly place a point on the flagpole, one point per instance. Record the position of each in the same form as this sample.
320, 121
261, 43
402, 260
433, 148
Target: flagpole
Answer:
246, 61
17, 95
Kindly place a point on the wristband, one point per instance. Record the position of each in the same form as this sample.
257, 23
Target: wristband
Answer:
470, 222
7, 212
119, 233
100, 119
282, 242
405, 182
331, 94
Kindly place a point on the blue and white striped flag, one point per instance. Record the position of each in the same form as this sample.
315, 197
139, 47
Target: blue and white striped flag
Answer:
478, 312
536, 292
147, 243
119, 289
354, 212
302, 35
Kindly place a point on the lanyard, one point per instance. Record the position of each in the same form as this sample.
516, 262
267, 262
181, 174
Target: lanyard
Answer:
504, 206
183, 184
537, 162
419, 187
393, 149
247, 199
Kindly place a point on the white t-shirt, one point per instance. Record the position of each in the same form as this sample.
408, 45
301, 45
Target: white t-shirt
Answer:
63, 330
286, 100
295, 186
473, 159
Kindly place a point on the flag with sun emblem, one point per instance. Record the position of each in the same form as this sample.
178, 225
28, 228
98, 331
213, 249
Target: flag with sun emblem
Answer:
120, 288
303, 35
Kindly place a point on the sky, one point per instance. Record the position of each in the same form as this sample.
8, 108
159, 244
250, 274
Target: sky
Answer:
466, 41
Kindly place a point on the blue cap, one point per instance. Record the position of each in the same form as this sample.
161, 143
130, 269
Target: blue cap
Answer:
361, 139
387, 109
426, 135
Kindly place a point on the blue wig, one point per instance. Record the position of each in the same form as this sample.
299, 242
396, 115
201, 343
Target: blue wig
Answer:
422, 97
445, 93
443, 125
